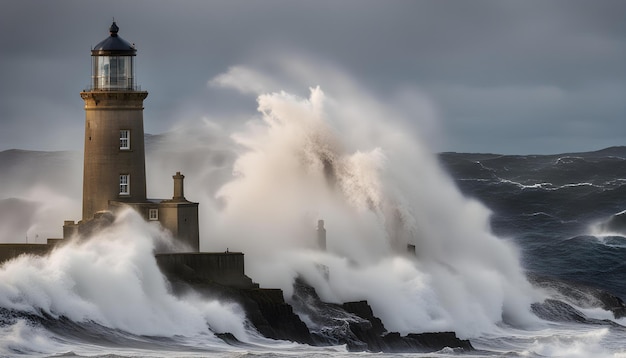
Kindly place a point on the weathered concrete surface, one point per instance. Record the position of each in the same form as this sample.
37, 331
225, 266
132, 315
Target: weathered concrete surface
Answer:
222, 268
10, 251
181, 219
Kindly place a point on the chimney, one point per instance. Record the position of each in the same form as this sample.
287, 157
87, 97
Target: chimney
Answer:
321, 235
179, 194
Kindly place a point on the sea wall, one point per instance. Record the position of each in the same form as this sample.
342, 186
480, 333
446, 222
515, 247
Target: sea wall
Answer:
223, 268
10, 251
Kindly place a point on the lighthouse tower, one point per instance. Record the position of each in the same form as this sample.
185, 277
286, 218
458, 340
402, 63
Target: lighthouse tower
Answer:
114, 174
114, 163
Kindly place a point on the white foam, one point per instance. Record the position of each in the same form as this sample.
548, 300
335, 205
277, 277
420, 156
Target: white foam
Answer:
26, 339
111, 279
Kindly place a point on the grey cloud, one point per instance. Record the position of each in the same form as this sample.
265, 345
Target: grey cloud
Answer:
577, 47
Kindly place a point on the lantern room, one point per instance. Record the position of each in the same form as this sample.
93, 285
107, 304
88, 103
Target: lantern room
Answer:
113, 64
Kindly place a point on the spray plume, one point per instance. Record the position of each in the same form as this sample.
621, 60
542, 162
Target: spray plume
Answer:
348, 160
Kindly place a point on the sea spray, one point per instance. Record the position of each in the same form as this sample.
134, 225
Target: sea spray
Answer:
39, 191
34, 215
376, 196
112, 279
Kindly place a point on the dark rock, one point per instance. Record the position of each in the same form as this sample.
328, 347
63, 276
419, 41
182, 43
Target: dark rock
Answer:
363, 310
438, 340
277, 319
394, 342
329, 323
266, 309
355, 325
424, 342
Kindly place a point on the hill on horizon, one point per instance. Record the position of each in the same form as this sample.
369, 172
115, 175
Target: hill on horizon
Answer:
43, 188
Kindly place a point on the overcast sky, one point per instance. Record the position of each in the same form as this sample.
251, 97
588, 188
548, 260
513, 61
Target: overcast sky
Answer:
513, 77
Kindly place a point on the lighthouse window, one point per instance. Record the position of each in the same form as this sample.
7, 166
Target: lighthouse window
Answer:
124, 139
153, 214
124, 184
112, 72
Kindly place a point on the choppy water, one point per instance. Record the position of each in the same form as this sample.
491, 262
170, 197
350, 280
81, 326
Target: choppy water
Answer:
551, 207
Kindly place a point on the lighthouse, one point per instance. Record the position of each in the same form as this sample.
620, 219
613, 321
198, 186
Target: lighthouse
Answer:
114, 161
114, 172
114, 178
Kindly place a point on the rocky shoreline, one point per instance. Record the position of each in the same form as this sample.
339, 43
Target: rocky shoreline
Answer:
352, 324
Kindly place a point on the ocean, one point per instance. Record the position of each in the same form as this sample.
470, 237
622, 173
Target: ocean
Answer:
521, 254
556, 208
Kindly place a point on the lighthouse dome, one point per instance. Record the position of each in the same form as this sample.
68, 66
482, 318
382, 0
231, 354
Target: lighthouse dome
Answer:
113, 63
113, 45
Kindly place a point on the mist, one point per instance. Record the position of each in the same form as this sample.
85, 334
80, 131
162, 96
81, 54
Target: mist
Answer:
38, 191
346, 157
